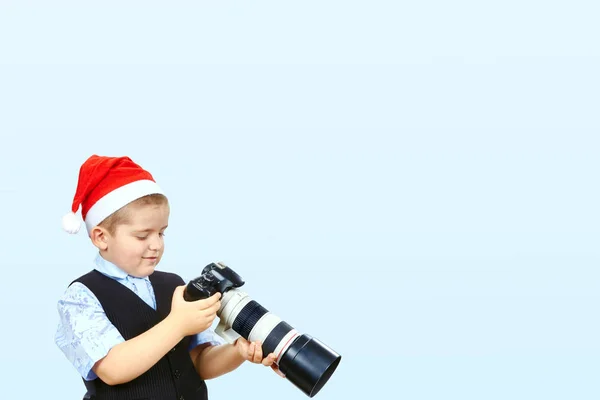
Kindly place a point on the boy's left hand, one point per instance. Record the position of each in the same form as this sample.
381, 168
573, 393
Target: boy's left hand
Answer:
253, 352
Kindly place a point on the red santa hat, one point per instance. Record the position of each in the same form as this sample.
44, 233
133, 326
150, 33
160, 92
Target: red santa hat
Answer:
105, 185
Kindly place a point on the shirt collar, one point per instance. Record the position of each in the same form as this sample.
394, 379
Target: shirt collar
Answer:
109, 269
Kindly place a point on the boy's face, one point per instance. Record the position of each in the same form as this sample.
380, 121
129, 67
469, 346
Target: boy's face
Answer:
138, 246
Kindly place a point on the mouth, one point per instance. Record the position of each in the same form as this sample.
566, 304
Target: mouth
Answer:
150, 258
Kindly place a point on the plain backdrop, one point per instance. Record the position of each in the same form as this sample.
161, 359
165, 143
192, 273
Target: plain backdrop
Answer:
413, 183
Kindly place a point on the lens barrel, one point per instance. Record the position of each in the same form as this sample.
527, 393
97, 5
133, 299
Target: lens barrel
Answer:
306, 362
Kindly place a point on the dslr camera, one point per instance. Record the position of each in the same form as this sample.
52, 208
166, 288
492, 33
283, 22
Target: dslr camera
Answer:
304, 360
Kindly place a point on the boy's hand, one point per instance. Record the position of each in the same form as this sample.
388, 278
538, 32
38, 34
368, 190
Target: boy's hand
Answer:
193, 317
253, 352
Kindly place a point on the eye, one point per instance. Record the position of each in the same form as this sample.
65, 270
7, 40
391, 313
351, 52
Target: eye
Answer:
142, 237
162, 234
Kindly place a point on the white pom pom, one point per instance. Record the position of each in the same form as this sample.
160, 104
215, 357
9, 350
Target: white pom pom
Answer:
71, 223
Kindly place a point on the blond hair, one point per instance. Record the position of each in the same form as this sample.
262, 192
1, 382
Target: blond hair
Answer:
122, 215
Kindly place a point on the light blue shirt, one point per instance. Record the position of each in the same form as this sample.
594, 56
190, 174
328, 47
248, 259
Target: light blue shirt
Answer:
85, 334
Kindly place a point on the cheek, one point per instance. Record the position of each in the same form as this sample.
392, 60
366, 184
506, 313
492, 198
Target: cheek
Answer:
133, 248
139, 246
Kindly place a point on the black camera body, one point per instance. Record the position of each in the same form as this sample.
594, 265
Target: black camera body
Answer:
215, 277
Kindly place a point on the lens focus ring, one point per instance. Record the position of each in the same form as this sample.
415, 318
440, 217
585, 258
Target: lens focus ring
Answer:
247, 318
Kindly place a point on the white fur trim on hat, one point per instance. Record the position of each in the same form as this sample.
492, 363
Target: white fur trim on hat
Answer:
118, 198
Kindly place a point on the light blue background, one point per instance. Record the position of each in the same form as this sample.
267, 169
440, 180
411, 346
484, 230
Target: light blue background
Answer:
414, 183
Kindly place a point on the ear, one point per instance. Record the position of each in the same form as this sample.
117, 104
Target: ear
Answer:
100, 237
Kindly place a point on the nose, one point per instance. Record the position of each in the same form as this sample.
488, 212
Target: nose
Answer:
155, 244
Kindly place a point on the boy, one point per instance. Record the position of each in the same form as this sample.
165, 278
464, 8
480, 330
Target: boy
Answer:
124, 326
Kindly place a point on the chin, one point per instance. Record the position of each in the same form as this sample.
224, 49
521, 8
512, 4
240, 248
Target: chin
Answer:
146, 270
145, 273
150, 268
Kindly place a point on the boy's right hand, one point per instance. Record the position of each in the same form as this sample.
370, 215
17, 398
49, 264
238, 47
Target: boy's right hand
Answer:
193, 317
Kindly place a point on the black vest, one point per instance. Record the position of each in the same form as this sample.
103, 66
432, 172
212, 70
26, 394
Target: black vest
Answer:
173, 377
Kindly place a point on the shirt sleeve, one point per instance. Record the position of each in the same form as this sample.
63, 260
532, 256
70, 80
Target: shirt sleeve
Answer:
207, 336
84, 333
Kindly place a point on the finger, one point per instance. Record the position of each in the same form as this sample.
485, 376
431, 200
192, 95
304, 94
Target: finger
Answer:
209, 312
207, 303
277, 370
211, 317
269, 360
212, 309
216, 306
250, 352
257, 352
213, 299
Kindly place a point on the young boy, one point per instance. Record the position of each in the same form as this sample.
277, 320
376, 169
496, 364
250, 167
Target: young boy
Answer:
124, 326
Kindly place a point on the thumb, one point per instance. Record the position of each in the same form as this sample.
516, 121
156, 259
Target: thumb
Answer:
179, 291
